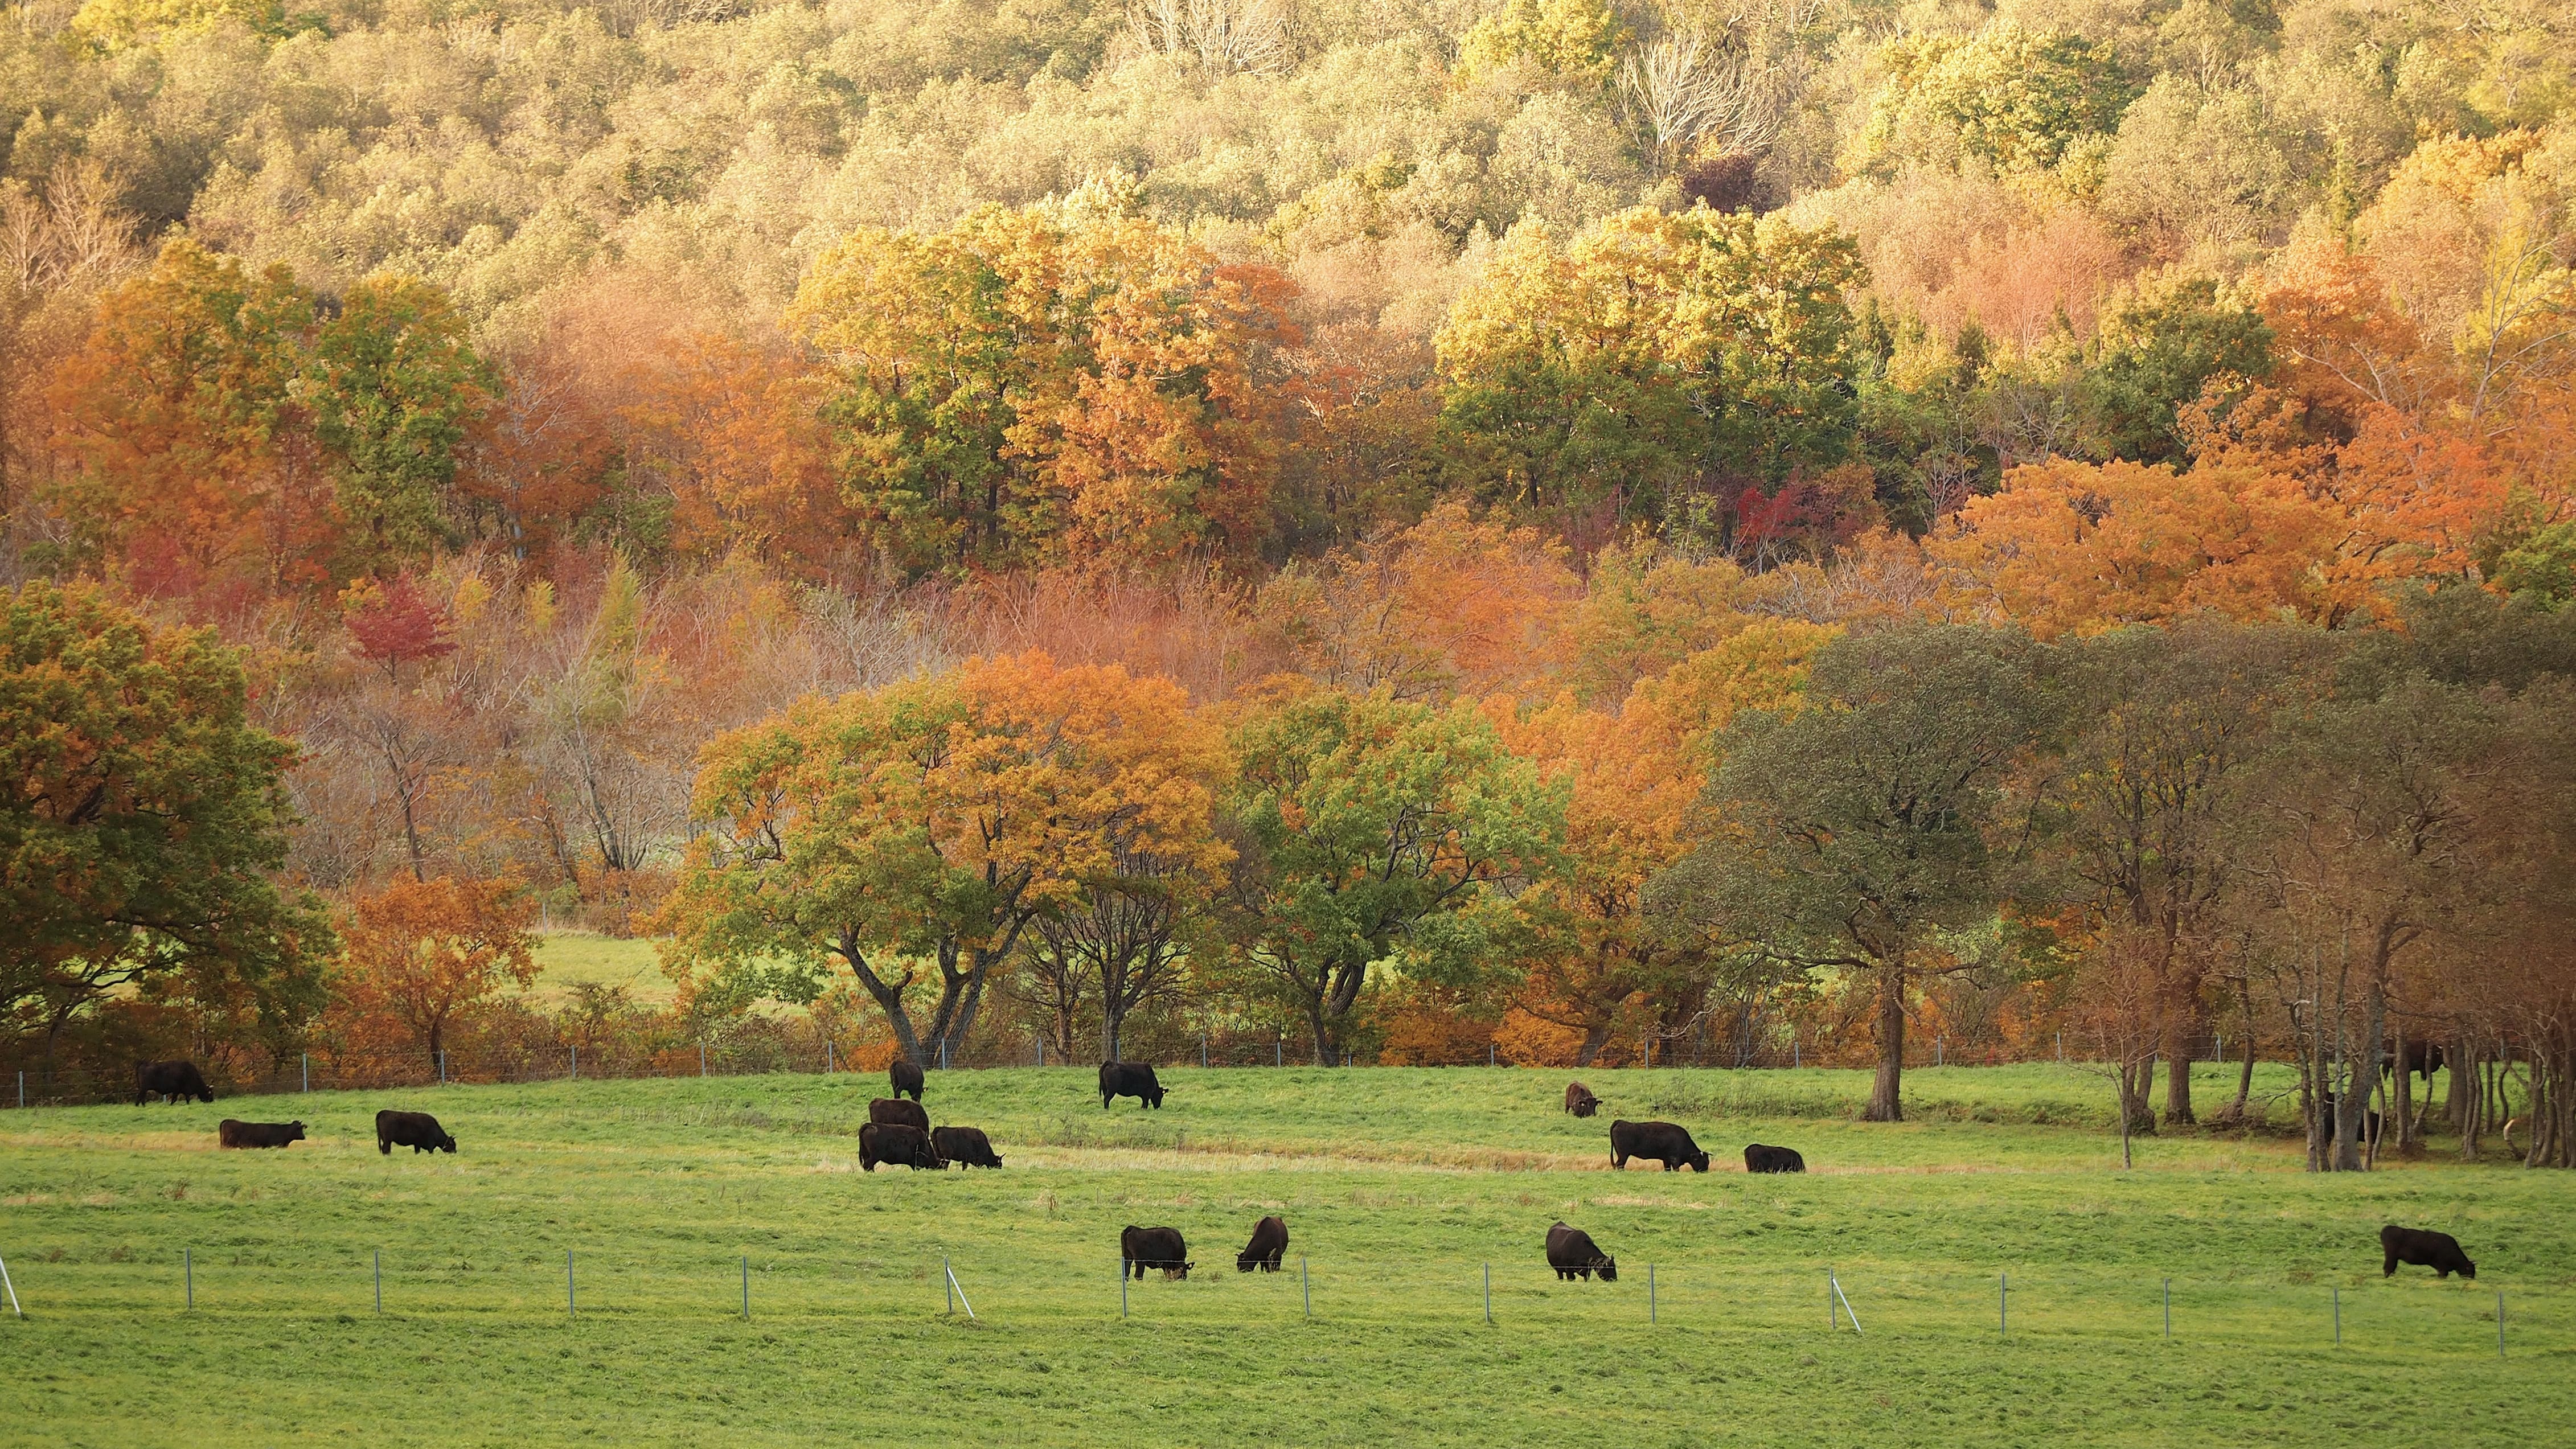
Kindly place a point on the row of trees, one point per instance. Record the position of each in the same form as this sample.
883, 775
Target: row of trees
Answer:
2333, 841
2329, 842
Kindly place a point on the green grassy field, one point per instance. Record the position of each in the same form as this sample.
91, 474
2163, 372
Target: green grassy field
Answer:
566, 958
1400, 1188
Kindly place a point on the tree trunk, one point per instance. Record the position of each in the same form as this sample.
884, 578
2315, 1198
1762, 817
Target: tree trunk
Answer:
2458, 1101
1112, 1018
888, 996
2244, 1083
1595, 1037
1886, 1104
2182, 1021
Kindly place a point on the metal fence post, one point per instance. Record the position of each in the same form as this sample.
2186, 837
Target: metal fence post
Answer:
1203, 1060
576, 1061
827, 1056
702, 1059
188, 1266
306, 1058
1794, 1059
1489, 1054
943, 1054
2499, 1322
572, 1308
442, 1066
22, 1091
13, 1290
1306, 1290
1122, 1287
1278, 1058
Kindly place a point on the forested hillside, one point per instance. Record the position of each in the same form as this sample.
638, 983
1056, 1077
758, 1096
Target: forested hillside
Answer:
606, 440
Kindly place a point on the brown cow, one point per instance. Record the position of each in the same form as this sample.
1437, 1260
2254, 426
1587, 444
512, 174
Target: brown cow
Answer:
1143, 1248
896, 1112
1580, 1101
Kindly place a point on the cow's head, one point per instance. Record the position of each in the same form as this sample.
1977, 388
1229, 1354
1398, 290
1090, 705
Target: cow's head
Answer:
1699, 1162
446, 1143
1608, 1268
2467, 1268
1183, 1271
294, 1131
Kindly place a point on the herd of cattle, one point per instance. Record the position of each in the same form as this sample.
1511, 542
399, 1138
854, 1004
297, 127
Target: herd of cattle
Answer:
898, 1131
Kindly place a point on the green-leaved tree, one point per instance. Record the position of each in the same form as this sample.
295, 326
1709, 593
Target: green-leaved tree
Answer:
141, 818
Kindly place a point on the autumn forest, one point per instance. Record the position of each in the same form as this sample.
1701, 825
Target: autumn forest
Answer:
1410, 531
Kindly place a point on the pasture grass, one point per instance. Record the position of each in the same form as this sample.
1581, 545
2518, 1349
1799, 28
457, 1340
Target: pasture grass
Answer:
1400, 1188
569, 958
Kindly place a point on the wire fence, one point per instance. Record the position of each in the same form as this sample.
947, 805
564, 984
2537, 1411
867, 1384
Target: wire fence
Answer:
38, 1084
492, 1282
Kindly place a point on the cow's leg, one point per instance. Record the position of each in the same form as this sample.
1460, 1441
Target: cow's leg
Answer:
2388, 1266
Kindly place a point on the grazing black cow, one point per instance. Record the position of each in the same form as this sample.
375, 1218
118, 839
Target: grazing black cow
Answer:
2425, 1249
1129, 1079
1269, 1241
894, 1143
1661, 1141
418, 1131
896, 1112
229, 1133
1580, 1101
2423, 1058
1144, 1248
906, 1078
173, 1081
965, 1146
1573, 1254
1758, 1158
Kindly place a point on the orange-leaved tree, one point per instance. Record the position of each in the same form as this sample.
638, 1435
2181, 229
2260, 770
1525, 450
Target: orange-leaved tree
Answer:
2067, 547
913, 834
1455, 602
1067, 382
422, 954
1590, 954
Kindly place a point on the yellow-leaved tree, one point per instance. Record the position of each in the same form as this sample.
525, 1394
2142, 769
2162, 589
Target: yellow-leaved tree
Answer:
912, 835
